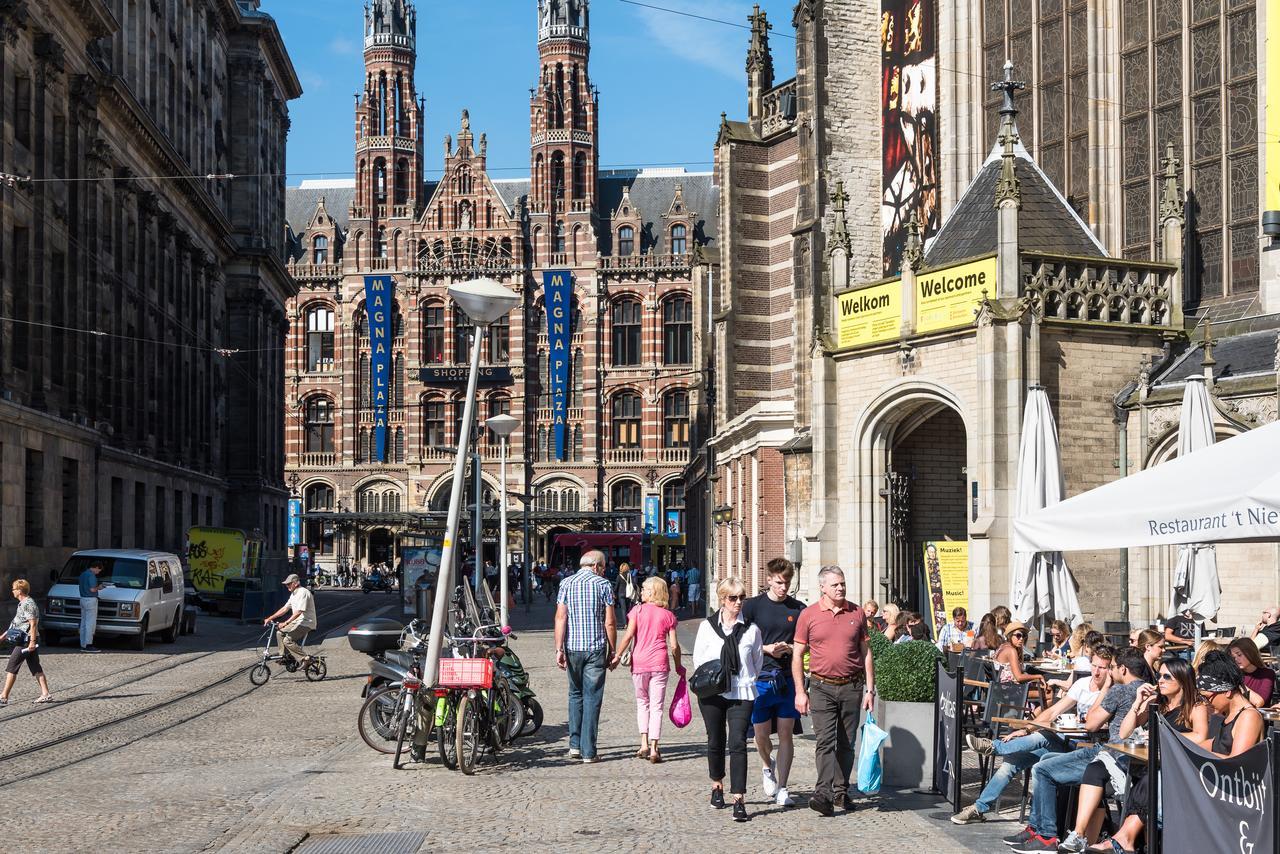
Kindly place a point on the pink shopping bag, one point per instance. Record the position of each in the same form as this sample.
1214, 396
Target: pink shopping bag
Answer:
681, 711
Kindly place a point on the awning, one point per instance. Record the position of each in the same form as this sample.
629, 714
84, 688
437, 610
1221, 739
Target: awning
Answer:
1225, 492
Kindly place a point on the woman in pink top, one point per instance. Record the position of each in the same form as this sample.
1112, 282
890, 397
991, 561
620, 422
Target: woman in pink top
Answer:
653, 630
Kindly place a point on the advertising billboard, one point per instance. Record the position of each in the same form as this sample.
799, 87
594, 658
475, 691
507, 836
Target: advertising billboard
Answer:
869, 315
379, 309
557, 291
948, 298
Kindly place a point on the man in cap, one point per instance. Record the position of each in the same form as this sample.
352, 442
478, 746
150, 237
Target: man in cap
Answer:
302, 620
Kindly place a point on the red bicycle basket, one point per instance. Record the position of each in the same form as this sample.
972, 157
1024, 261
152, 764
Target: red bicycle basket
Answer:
466, 673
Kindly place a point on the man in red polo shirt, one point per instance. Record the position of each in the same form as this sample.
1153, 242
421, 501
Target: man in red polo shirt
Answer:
841, 682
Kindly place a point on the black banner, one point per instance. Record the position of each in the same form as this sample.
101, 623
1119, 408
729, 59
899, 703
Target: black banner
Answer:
490, 375
1216, 804
946, 743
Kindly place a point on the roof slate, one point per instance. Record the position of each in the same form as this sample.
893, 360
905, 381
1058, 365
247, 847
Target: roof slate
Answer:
1235, 356
1046, 223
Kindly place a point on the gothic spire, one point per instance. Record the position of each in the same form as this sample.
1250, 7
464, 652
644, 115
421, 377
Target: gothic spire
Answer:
1170, 195
1007, 187
564, 19
759, 57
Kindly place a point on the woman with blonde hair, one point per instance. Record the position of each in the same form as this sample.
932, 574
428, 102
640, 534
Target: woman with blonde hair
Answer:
1206, 647
890, 616
652, 627
1077, 640
725, 637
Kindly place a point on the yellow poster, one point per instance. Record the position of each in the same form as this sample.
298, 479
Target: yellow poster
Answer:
213, 556
869, 315
947, 298
946, 571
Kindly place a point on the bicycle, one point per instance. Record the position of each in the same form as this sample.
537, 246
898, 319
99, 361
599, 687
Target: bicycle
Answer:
313, 667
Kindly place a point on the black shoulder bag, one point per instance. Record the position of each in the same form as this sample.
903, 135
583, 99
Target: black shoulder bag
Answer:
716, 676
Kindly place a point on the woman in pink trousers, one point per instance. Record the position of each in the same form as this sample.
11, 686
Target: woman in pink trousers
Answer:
652, 629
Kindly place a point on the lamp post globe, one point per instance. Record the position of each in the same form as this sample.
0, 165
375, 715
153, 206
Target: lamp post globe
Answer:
502, 425
484, 300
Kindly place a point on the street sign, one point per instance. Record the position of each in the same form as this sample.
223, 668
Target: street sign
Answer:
490, 375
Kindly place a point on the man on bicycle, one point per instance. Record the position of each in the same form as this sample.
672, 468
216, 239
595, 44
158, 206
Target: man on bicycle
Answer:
300, 623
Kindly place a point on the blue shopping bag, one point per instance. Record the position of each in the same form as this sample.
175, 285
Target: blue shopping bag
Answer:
870, 737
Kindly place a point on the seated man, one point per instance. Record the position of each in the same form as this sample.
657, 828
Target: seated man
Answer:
1023, 748
1180, 634
1267, 632
1128, 674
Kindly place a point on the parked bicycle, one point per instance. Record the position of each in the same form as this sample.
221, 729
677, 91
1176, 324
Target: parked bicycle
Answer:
313, 667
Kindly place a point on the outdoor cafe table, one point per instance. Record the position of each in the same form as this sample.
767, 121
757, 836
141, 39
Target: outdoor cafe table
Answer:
1135, 752
1077, 732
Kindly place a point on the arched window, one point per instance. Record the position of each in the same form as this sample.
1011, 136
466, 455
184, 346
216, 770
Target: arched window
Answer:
677, 331
577, 389
397, 446
319, 426
627, 412
626, 241
402, 181
571, 500
679, 243
625, 496
362, 446
397, 390
673, 505
557, 175
362, 379
380, 181
380, 248
580, 175
577, 444
320, 338
559, 239
626, 332
379, 497
433, 424
500, 341
397, 321
318, 496
320, 250
433, 334
462, 330
675, 419
540, 449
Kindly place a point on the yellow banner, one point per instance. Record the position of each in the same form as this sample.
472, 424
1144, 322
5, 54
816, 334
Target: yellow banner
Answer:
946, 570
869, 315
947, 298
213, 556
1271, 140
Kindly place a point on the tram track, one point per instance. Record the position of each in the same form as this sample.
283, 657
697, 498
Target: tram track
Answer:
106, 736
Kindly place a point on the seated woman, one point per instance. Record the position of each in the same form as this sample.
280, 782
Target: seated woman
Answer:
1221, 687
1151, 643
890, 616
1059, 645
1259, 680
1080, 661
986, 638
1008, 658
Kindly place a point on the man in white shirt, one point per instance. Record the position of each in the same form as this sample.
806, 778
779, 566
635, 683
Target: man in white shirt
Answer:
301, 621
1023, 748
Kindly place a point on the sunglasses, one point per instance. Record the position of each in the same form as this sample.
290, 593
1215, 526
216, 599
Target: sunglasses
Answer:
1022, 635
1164, 677
733, 597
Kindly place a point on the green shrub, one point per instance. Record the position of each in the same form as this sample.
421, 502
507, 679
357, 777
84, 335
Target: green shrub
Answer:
904, 671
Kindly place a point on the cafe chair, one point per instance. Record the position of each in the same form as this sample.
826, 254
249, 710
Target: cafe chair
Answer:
977, 679
1004, 700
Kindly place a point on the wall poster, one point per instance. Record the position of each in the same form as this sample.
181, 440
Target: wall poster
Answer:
909, 126
946, 572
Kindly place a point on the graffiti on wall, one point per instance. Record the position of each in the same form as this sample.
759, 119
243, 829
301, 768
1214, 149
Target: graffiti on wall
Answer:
909, 124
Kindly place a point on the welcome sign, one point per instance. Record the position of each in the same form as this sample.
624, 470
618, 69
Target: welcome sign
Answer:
377, 306
557, 295
1222, 804
869, 315
947, 298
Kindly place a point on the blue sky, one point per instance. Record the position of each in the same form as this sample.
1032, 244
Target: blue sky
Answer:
663, 78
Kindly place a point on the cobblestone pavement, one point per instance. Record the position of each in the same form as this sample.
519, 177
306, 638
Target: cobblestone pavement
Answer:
282, 768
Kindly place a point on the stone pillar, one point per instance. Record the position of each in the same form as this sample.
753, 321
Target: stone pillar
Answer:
1172, 219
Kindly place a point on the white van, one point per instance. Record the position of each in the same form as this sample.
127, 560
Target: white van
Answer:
143, 593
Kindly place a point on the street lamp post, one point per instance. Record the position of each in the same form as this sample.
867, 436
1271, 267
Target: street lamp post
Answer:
484, 301
503, 426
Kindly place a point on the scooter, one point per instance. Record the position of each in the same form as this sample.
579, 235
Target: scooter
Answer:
382, 583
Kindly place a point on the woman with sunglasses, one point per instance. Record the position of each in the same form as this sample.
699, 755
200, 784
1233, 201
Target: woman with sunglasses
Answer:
1220, 691
725, 636
1008, 658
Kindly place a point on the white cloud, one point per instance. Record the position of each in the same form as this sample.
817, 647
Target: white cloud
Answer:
342, 46
715, 46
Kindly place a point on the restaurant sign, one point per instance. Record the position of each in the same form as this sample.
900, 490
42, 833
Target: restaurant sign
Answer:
946, 734
869, 315
947, 298
1223, 804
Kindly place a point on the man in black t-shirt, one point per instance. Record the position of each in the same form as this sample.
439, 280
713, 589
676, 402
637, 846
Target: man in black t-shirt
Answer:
1180, 632
775, 613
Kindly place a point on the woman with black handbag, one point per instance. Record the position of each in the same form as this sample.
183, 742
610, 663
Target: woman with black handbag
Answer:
23, 634
727, 656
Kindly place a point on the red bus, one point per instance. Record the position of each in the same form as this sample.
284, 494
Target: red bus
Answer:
618, 547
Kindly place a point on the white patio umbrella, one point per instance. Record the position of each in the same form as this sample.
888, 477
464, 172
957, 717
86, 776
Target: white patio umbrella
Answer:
1195, 581
1041, 583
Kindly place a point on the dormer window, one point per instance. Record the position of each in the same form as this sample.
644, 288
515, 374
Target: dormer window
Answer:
626, 240
679, 243
320, 253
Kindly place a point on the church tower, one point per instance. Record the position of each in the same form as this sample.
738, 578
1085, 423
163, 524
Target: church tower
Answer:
564, 133
388, 129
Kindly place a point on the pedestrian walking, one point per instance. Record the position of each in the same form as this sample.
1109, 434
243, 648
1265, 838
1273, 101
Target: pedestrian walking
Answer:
693, 580
24, 632
651, 627
775, 612
586, 634
834, 632
675, 579
89, 587
725, 637
628, 589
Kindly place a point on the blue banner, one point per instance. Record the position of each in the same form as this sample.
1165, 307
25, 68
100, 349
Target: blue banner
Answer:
295, 521
557, 290
652, 514
673, 523
378, 308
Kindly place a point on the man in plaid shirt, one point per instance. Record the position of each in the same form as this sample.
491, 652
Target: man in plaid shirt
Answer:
586, 635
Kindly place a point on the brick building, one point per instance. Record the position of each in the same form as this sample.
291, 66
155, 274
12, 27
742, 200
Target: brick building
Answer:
630, 241
1089, 211
140, 354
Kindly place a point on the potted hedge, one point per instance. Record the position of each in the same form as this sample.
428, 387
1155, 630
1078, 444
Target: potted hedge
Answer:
904, 708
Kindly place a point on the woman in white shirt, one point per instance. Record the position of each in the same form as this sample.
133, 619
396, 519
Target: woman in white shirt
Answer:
727, 716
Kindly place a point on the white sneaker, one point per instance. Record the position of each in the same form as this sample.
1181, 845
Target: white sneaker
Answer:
769, 781
783, 799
